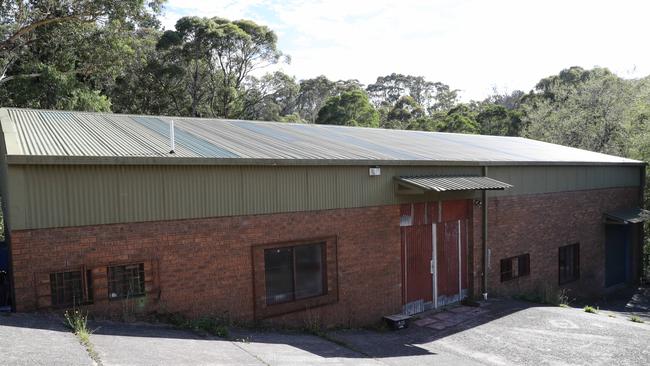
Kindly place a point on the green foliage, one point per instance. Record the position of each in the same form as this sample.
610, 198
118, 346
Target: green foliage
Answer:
351, 108
494, 119
587, 109
217, 326
77, 321
590, 309
636, 319
62, 55
217, 57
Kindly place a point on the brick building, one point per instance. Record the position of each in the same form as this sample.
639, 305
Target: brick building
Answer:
290, 223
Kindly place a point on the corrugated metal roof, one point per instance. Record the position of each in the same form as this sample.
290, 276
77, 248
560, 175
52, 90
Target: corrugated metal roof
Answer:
455, 183
628, 216
43, 133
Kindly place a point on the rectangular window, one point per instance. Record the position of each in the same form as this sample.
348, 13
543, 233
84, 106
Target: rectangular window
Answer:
294, 273
515, 267
71, 288
126, 281
569, 263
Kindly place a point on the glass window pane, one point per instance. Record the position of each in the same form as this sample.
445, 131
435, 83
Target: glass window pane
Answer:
126, 281
309, 270
278, 267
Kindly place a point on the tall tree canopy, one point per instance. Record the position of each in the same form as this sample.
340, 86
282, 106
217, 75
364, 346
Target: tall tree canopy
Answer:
582, 108
65, 54
351, 108
218, 56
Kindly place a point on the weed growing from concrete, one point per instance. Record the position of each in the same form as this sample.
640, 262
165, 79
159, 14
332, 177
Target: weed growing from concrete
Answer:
591, 309
210, 325
77, 321
636, 319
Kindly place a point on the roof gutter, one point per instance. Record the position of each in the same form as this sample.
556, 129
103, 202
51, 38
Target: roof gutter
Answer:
19, 159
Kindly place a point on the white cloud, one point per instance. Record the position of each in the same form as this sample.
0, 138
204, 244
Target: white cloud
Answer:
470, 45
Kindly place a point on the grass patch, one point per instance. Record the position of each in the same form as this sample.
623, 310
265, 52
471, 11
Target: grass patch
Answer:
636, 319
77, 321
590, 309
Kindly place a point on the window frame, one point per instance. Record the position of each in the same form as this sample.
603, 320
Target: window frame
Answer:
85, 281
110, 282
330, 263
323, 254
510, 262
575, 264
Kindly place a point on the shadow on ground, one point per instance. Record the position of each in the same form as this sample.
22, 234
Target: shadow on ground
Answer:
629, 301
344, 344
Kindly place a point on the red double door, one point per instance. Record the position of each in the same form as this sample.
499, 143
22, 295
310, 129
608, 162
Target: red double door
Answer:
434, 253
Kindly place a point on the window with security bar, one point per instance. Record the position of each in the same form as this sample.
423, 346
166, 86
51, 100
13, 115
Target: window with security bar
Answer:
126, 281
71, 288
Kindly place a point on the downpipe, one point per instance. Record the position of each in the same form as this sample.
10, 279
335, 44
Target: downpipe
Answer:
484, 238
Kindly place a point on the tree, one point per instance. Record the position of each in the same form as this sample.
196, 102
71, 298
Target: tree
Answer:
220, 54
312, 96
587, 109
405, 109
495, 119
67, 55
432, 96
22, 22
351, 108
460, 119
271, 98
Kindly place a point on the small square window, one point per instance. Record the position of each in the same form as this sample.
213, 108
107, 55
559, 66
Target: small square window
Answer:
71, 288
126, 281
569, 263
294, 272
515, 267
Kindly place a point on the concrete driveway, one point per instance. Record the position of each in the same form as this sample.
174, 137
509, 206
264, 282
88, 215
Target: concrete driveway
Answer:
502, 333
514, 333
29, 339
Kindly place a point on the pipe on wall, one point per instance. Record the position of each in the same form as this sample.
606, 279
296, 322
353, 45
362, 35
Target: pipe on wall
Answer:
484, 238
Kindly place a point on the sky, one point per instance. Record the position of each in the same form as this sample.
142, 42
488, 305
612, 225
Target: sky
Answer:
473, 46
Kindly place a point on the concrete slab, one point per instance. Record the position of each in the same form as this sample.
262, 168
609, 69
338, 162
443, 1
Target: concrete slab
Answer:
424, 321
514, 333
124, 344
275, 348
33, 339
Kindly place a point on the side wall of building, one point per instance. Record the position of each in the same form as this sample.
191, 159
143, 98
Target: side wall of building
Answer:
538, 225
211, 266
77, 195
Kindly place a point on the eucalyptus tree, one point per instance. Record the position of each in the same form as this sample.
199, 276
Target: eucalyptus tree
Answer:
220, 55
432, 96
65, 54
350, 108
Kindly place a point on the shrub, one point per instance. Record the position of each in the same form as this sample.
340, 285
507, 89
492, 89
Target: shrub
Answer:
636, 319
591, 309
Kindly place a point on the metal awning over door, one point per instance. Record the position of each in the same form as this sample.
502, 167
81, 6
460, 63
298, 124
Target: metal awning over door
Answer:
421, 184
627, 216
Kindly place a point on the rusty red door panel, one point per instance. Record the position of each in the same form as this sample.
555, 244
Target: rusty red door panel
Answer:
452, 257
447, 258
417, 251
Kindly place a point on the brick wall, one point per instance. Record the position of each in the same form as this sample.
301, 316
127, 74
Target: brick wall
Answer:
205, 266
208, 266
539, 225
